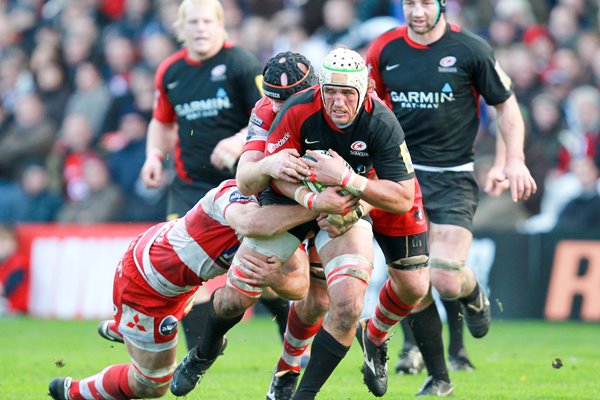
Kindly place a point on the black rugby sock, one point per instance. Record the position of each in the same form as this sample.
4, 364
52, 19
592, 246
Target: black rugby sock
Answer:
279, 308
215, 328
455, 326
409, 337
473, 296
325, 355
193, 324
427, 328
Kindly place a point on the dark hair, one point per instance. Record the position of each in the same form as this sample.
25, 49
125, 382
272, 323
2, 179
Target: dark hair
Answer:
287, 73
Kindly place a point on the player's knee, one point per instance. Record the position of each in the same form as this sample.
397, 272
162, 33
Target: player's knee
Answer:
447, 277
346, 311
230, 303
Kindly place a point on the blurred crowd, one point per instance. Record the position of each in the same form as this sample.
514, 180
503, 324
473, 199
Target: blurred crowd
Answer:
77, 82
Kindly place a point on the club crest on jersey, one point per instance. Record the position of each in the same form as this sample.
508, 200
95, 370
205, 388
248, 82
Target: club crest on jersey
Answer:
218, 73
358, 149
237, 196
447, 64
168, 326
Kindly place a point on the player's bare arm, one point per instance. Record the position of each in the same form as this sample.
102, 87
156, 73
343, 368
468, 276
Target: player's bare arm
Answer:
512, 128
160, 142
250, 219
289, 280
255, 171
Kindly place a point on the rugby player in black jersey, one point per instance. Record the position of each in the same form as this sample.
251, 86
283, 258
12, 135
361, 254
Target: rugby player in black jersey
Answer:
204, 95
431, 73
341, 116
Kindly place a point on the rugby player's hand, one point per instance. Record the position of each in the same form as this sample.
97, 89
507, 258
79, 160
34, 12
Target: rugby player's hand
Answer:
496, 182
152, 172
227, 152
330, 201
343, 222
285, 165
260, 273
326, 170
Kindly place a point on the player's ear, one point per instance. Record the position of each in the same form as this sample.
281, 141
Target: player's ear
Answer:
371, 85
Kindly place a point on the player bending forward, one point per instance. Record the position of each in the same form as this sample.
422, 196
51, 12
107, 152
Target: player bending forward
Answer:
163, 267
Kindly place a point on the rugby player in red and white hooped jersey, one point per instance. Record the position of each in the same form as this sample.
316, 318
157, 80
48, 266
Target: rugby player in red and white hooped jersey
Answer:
203, 98
164, 266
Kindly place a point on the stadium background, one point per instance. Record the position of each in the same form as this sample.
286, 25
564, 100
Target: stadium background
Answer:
86, 67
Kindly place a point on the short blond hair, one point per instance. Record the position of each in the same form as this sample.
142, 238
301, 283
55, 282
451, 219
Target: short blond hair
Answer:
181, 14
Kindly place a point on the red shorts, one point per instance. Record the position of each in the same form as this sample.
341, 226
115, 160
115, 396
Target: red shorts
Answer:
411, 223
144, 316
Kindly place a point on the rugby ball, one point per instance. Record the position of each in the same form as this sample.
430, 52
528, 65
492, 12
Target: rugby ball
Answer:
318, 187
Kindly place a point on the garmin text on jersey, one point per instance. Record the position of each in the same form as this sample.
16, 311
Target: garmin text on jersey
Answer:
205, 108
423, 100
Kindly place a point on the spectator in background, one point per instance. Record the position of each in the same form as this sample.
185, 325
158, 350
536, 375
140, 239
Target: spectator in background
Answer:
582, 214
125, 153
28, 138
14, 289
65, 162
101, 203
91, 97
53, 89
119, 59
138, 99
156, 47
36, 201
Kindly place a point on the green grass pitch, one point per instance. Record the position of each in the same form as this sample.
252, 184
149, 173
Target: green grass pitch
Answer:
513, 362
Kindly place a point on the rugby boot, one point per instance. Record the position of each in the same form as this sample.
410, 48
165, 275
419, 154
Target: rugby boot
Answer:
108, 331
478, 315
374, 368
59, 388
411, 362
191, 370
283, 385
460, 361
436, 387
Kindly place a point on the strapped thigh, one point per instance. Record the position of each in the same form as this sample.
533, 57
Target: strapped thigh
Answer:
348, 265
153, 378
445, 264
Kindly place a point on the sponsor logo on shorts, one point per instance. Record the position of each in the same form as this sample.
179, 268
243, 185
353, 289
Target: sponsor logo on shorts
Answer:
168, 326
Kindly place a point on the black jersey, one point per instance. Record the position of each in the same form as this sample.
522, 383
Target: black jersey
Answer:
434, 90
374, 140
210, 100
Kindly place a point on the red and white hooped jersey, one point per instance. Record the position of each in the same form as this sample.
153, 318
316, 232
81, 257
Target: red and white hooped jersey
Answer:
260, 122
175, 257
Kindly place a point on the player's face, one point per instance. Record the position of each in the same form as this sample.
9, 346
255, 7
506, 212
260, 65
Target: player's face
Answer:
421, 14
203, 32
341, 103
276, 105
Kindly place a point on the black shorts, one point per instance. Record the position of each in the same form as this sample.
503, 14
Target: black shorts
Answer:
270, 197
183, 196
449, 197
395, 248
